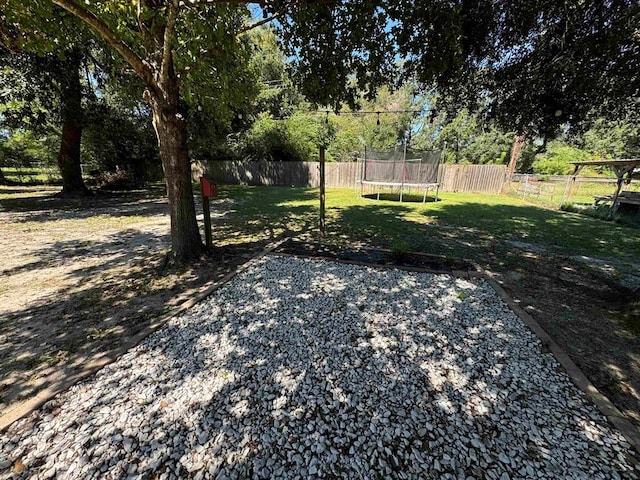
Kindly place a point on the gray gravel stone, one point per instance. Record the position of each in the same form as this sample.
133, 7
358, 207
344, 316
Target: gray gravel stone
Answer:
303, 368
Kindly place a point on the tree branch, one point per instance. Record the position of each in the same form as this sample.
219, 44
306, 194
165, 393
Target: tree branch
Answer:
139, 66
281, 11
216, 48
174, 9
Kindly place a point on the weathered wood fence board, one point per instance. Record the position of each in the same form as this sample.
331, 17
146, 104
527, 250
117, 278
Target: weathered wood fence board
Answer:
453, 178
472, 178
299, 174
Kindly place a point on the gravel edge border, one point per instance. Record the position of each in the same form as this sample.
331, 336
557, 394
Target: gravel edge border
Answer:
96, 362
606, 407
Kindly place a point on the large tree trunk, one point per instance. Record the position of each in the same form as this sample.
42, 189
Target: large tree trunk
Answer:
71, 114
171, 129
518, 143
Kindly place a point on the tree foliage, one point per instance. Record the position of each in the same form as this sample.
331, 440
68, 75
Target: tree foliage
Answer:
613, 138
24, 148
555, 160
465, 138
532, 65
45, 57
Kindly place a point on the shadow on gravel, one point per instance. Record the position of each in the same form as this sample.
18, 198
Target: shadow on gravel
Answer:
325, 381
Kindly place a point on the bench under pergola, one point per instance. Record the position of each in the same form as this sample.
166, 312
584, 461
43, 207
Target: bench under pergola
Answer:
624, 170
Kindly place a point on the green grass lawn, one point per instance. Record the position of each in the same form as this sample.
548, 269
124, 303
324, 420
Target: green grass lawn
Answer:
461, 225
31, 175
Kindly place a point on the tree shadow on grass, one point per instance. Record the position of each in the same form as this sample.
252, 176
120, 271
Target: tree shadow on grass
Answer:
475, 229
265, 213
373, 394
566, 233
401, 226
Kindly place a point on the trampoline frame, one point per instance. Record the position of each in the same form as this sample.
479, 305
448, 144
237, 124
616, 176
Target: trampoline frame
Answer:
424, 186
401, 185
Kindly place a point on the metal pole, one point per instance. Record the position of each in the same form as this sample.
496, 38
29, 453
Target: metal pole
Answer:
322, 192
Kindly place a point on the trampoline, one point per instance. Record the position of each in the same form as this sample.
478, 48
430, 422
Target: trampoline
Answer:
400, 170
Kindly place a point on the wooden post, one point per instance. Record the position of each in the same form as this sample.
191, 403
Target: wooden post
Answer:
322, 192
207, 221
209, 189
572, 185
363, 171
620, 176
404, 167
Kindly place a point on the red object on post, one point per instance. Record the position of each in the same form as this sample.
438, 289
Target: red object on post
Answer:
209, 189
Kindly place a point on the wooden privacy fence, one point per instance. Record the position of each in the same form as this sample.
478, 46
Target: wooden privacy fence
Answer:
472, 178
453, 178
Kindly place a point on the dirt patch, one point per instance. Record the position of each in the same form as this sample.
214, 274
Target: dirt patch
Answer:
588, 316
78, 277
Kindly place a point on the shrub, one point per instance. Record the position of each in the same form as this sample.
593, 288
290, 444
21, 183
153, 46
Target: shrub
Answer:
120, 179
555, 161
292, 140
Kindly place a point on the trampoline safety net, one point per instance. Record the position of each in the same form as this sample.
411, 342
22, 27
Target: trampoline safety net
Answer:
391, 166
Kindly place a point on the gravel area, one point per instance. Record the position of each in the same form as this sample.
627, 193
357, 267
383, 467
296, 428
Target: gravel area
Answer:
314, 369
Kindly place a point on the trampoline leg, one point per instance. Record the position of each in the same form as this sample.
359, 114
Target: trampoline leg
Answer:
378, 194
424, 198
437, 190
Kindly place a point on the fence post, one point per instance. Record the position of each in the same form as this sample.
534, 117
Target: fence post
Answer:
566, 189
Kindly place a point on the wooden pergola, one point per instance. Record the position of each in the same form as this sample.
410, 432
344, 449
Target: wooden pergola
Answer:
623, 168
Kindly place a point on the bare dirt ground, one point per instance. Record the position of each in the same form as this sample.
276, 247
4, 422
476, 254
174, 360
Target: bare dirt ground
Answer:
589, 316
78, 277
